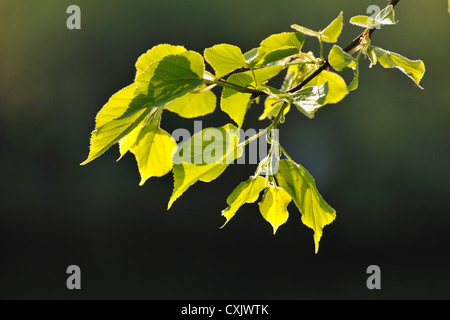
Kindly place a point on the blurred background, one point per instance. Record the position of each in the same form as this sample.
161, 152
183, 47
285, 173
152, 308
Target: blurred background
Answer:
380, 158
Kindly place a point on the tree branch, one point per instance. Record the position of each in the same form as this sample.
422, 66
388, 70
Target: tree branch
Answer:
326, 64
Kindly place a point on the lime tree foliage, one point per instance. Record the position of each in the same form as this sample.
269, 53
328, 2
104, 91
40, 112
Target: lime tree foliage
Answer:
173, 78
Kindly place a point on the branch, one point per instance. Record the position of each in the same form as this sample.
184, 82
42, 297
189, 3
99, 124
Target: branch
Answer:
326, 64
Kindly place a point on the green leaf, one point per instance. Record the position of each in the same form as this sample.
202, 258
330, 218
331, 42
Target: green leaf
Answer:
211, 145
193, 105
169, 78
337, 88
129, 140
251, 55
384, 17
109, 127
224, 58
355, 82
273, 206
154, 54
186, 174
236, 103
203, 158
246, 192
271, 108
414, 69
332, 32
306, 31
364, 22
153, 150
300, 185
309, 99
296, 74
279, 46
340, 60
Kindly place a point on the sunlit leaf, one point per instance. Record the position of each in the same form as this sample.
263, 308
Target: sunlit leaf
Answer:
246, 192
300, 185
169, 78
224, 58
340, 60
193, 105
279, 46
414, 69
204, 157
332, 32
337, 88
153, 150
154, 54
273, 206
384, 17
109, 127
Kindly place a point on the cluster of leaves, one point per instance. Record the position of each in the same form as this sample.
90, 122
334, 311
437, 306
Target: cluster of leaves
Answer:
173, 78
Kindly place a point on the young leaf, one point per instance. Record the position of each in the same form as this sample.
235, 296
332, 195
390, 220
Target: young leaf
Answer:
355, 82
273, 206
364, 22
186, 174
300, 185
337, 88
236, 103
153, 150
340, 60
202, 158
169, 78
154, 54
414, 69
109, 128
271, 108
306, 31
193, 105
224, 58
279, 46
332, 32
309, 99
246, 192
384, 17
251, 55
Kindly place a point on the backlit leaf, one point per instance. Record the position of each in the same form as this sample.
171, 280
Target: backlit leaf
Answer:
300, 185
246, 192
224, 58
273, 206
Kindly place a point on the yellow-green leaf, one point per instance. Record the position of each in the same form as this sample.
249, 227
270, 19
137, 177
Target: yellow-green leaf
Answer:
236, 103
279, 46
337, 88
246, 192
340, 60
414, 69
153, 150
186, 174
110, 127
167, 79
273, 206
154, 54
193, 105
271, 108
300, 185
224, 58
332, 32
204, 157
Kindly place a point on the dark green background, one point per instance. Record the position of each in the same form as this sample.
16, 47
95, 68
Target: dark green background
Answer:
380, 158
